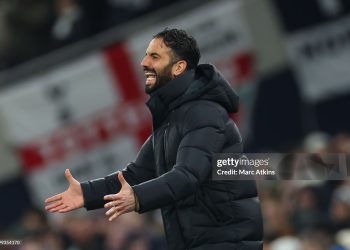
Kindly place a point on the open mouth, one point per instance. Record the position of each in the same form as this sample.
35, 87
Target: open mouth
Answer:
150, 77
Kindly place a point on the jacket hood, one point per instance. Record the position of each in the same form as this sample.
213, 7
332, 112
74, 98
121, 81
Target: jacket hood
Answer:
209, 84
203, 83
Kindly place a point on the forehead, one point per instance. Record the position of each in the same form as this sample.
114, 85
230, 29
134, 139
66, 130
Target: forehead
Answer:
157, 46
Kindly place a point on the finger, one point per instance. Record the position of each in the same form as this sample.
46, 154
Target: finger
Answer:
112, 210
65, 210
111, 204
56, 209
69, 176
54, 198
114, 216
121, 179
53, 205
110, 197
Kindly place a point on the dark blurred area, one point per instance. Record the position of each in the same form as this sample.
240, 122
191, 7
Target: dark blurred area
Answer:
35, 27
79, 231
295, 99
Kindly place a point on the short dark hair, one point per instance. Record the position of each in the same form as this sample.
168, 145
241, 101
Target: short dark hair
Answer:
184, 46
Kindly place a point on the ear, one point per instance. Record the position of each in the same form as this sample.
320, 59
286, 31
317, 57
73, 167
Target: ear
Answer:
179, 67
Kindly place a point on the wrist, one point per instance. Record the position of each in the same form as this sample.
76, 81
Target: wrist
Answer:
137, 204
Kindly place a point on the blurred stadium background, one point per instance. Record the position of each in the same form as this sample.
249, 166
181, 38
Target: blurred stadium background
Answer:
71, 96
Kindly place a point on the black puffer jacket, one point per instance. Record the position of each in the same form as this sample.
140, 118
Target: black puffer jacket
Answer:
173, 169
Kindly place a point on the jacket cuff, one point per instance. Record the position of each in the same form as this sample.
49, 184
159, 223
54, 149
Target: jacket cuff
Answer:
151, 195
93, 198
137, 203
95, 190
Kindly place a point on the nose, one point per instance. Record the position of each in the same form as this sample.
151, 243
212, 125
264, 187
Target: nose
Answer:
145, 62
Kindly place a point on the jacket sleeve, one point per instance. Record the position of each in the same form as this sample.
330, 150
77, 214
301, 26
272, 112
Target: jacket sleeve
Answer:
136, 172
202, 133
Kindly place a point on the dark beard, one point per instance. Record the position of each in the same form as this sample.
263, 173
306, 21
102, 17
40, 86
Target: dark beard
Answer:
163, 78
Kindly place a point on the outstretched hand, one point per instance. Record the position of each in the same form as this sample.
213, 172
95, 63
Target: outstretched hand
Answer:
69, 200
122, 202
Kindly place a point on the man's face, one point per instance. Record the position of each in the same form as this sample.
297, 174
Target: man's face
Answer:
157, 65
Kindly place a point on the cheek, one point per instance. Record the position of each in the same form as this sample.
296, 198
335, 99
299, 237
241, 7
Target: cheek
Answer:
159, 69
156, 67
161, 66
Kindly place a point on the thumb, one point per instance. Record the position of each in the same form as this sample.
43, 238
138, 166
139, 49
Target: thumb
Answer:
69, 176
121, 179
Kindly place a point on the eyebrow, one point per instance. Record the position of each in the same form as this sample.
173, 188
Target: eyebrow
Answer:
152, 54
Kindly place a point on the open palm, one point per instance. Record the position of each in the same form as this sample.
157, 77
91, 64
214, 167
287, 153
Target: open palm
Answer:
69, 200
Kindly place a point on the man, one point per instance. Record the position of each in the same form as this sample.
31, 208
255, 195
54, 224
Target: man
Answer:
190, 104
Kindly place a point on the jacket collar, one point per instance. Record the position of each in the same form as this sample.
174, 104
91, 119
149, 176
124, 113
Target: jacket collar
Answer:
175, 88
161, 101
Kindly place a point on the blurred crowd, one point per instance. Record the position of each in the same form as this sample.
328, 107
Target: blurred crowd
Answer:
34, 27
308, 215
80, 230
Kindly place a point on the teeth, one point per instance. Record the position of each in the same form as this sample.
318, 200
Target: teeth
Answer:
150, 75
